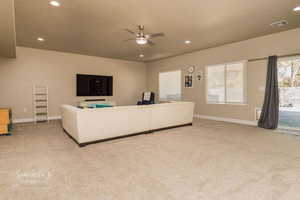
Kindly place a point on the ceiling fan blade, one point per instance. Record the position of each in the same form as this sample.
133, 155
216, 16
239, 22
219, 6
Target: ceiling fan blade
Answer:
129, 40
130, 31
152, 35
151, 43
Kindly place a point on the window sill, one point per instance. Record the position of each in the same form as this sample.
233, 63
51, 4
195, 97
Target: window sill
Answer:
230, 104
168, 101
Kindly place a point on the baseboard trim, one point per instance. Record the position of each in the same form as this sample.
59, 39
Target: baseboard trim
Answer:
124, 136
230, 120
27, 120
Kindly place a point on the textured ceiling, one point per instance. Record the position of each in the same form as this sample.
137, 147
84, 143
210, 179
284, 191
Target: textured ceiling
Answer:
96, 27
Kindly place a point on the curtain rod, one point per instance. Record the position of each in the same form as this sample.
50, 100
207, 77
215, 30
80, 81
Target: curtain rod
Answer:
265, 58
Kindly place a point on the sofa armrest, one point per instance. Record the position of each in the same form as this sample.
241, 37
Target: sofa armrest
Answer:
69, 120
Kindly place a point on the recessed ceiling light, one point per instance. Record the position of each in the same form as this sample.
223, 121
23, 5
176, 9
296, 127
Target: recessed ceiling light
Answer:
141, 56
187, 42
297, 8
40, 39
54, 3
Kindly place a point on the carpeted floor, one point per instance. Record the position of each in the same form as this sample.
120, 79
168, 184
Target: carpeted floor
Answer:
210, 161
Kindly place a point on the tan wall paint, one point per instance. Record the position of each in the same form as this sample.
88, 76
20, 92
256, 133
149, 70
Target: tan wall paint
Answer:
58, 70
7, 29
280, 44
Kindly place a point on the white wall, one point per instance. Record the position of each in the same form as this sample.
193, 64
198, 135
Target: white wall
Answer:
58, 70
283, 43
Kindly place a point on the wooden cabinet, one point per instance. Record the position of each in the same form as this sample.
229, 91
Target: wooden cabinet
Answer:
3, 129
5, 121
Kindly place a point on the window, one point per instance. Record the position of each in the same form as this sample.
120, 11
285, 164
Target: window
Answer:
170, 86
226, 83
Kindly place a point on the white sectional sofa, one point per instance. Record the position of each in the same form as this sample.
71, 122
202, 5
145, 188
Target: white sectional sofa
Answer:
87, 126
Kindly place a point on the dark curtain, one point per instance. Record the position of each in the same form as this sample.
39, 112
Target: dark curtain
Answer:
270, 111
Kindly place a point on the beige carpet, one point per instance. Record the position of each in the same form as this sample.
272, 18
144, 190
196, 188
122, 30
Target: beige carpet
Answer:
211, 161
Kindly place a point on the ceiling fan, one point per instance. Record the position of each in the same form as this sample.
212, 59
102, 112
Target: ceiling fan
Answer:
141, 38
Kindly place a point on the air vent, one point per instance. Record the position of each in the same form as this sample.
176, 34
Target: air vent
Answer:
279, 23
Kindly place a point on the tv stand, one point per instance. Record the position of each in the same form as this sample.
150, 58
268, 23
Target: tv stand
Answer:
94, 100
88, 102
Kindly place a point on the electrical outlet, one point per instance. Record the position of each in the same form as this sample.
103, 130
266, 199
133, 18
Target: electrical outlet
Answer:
261, 89
25, 110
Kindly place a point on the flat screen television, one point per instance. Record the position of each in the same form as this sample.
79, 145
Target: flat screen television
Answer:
93, 85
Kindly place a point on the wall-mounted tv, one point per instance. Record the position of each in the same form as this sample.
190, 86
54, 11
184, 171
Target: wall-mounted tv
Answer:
93, 85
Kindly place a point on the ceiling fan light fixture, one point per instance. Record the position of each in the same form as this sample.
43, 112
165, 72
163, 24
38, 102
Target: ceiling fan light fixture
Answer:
141, 40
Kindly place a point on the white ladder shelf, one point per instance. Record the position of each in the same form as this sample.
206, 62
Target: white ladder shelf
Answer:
40, 103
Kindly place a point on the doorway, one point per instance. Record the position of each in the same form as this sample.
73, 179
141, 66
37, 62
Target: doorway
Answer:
289, 93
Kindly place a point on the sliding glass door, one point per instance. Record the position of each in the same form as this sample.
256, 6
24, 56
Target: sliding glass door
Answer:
289, 93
